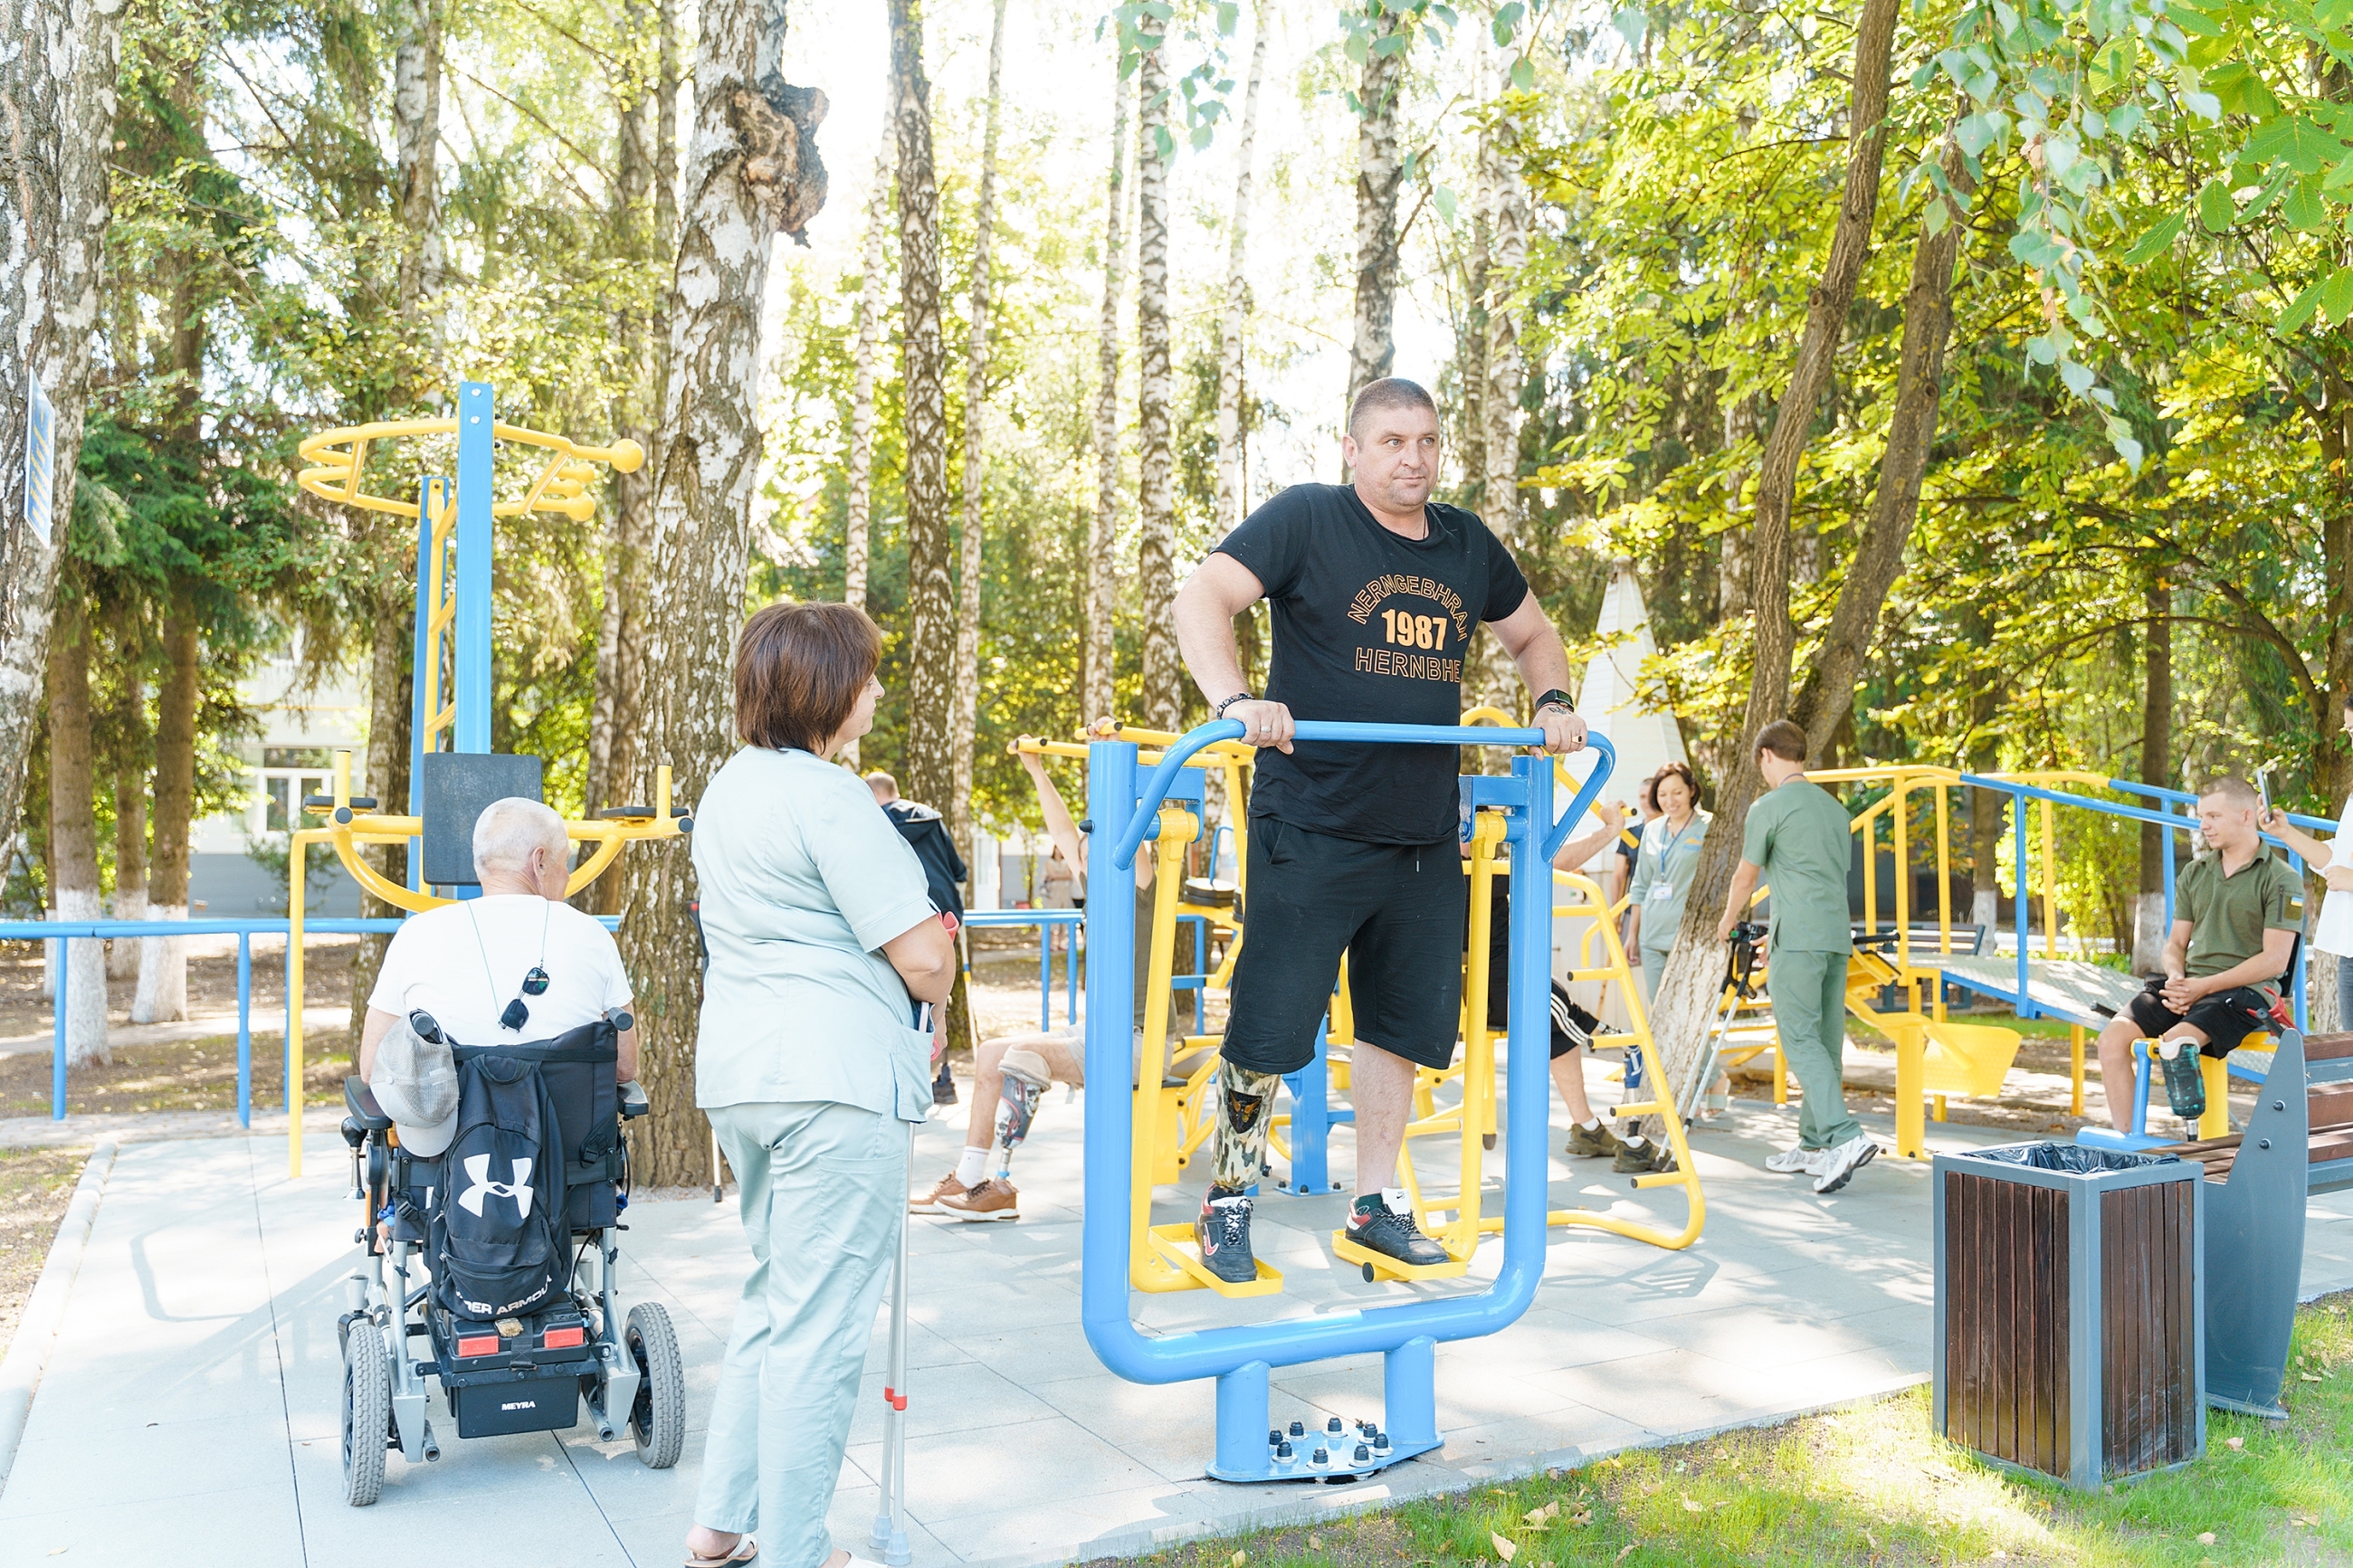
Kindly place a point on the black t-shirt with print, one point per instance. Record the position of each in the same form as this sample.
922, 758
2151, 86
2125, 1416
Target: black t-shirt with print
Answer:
1369, 626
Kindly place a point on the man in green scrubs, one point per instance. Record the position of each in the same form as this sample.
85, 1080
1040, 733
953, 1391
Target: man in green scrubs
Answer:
1796, 842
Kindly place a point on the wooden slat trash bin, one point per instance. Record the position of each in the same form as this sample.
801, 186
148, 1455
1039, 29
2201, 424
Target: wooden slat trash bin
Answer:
2070, 1298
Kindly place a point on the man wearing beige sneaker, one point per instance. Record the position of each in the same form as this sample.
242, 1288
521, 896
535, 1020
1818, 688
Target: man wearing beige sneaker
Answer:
1012, 1071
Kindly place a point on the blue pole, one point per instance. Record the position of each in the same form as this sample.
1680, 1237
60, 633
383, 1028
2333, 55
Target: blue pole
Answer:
1045, 975
245, 1029
431, 495
476, 423
57, 1035
2021, 900
1070, 974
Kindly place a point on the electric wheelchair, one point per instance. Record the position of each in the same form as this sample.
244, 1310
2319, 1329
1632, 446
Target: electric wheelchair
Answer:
524, 1371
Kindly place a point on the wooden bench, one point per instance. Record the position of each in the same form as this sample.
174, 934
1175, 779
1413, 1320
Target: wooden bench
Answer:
2299, 1141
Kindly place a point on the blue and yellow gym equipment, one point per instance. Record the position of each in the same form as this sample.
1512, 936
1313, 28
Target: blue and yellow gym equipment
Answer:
454, 525
1124, 812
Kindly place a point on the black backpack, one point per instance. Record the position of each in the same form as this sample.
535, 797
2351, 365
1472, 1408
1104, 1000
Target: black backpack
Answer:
499, 1241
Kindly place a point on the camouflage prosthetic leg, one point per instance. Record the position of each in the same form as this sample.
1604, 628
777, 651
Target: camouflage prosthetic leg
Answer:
1238, 1144
1022, 1080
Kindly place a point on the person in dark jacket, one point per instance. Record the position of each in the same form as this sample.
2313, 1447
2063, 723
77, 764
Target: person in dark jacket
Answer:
927, 833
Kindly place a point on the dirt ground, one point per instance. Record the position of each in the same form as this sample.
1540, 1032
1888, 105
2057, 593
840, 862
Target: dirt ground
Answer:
35, 1185
212, 983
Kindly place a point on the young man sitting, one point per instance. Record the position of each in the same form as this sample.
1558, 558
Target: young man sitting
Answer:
2237, 911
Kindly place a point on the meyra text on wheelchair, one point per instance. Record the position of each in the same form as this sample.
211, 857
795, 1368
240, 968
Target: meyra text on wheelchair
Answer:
505, 1263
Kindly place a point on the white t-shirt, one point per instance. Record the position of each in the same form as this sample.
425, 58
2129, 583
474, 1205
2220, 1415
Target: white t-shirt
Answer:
463, 962
2335, 931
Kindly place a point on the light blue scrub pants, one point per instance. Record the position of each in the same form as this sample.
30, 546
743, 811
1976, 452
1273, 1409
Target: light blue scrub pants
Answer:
829, 1180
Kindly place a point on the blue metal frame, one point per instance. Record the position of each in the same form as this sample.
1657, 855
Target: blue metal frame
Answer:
1074, 920
1241, 1358
66, 932
2021, 793
476, 426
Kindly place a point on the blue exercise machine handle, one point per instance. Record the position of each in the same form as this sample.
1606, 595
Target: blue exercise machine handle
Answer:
1146, 824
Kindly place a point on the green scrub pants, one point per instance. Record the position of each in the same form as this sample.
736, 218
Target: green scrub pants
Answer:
1809, 992
827, 1182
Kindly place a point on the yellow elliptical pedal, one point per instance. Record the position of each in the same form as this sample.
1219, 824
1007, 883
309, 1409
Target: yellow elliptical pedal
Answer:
1380, 1266
1174, 1243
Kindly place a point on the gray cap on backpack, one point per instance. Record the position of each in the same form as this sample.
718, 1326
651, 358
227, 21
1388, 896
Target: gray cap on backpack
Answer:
415, 1083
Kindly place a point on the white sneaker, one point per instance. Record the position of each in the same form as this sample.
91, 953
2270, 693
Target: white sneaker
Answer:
1839, 1164
1796, 1162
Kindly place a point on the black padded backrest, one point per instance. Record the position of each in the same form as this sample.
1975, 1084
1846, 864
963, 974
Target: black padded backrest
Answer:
578, 1067
453, 792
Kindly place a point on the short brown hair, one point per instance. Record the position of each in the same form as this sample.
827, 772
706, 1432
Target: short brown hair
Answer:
799, 672
1672, 769
2233, 788
1783, 738
1390, 392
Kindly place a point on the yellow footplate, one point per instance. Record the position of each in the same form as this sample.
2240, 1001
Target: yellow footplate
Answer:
1174, 1245
1378, 1266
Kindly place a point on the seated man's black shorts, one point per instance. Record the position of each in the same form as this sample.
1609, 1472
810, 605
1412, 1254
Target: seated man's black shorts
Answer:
1398, 911
1572, 1026
2225, 1018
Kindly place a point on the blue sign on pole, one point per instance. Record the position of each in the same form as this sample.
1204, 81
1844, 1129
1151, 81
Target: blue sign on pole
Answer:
40, 457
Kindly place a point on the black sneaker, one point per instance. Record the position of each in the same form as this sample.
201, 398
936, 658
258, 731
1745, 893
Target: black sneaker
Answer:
1379, 1228
943, 1090
1222, 1230
2185, 1084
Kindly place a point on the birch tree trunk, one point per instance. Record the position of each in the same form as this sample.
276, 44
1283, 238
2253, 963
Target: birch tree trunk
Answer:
132, 744
1155, 490
1499, 399
931, 589
1231, 502
1687, 993
1372, 350
754, 173
57, 60
163, 994
73, 831
1097, 666
871, 305
976, 396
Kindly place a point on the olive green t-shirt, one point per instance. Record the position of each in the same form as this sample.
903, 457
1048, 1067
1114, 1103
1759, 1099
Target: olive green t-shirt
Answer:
2229, 914
1798, 835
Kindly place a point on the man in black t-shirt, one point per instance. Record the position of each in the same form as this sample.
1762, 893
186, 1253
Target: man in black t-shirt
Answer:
1375, 593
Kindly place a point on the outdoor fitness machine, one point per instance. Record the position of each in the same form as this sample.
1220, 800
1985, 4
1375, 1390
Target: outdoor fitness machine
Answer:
454, 525
1124, 812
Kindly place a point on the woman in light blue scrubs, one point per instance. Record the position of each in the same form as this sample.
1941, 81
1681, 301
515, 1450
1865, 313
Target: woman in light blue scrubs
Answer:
808, 1064
1664, 870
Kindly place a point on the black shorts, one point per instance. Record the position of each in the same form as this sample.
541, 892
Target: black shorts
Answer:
1572, 1026
1398, 911
2224, 1018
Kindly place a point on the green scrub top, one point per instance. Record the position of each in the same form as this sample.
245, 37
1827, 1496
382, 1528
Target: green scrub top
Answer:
1663, 875
1798, 835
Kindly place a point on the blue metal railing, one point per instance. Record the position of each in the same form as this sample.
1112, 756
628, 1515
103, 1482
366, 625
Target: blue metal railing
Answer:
1046, 921
66, 932
1125, 813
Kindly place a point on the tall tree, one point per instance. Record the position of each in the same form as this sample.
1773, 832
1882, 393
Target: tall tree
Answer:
2150, 931
1102, 524
73, 827
976, 397
1685, 995
58, 62
134, 756
1505, 201
163, 994
931, 587
1372, 347
1232, 362
874, 278
1155, 490
755, 174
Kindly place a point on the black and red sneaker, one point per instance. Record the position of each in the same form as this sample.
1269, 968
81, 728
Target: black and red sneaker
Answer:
1222, 1232
1373, 1224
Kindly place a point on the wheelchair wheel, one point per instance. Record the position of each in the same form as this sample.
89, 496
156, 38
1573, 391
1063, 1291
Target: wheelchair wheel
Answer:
658, 1419
367, 1412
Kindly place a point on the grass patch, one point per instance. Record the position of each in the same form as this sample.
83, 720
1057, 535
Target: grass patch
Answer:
35, 1185
1873, 1486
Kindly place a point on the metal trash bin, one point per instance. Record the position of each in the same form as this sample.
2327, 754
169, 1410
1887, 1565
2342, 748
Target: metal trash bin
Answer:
2071, 1306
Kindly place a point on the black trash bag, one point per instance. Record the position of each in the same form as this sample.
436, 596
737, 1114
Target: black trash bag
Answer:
2073, 1157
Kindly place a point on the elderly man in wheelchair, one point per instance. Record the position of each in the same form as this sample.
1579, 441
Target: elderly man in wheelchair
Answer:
496, 1068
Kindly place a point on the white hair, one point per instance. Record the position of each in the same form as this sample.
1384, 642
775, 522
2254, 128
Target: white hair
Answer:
509, 829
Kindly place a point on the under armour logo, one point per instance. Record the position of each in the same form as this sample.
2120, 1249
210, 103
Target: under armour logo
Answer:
477, 1172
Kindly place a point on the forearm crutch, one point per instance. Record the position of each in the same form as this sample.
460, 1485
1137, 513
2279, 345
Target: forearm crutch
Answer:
1739, 964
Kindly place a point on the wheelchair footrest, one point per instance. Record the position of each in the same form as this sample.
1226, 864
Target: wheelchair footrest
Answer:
1174, 1245
1380, 1266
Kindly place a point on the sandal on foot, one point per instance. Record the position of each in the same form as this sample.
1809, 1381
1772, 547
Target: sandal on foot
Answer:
744, 1550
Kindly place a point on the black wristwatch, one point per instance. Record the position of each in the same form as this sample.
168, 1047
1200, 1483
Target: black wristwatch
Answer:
1555, 697
1237, 697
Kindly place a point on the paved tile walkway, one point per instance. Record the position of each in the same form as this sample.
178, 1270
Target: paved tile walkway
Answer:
188, 1414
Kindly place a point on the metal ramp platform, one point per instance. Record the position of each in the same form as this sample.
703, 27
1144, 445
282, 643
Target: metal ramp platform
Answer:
2085, 994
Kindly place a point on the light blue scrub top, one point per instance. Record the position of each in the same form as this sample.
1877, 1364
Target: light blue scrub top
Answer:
803, 879
1662, 876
